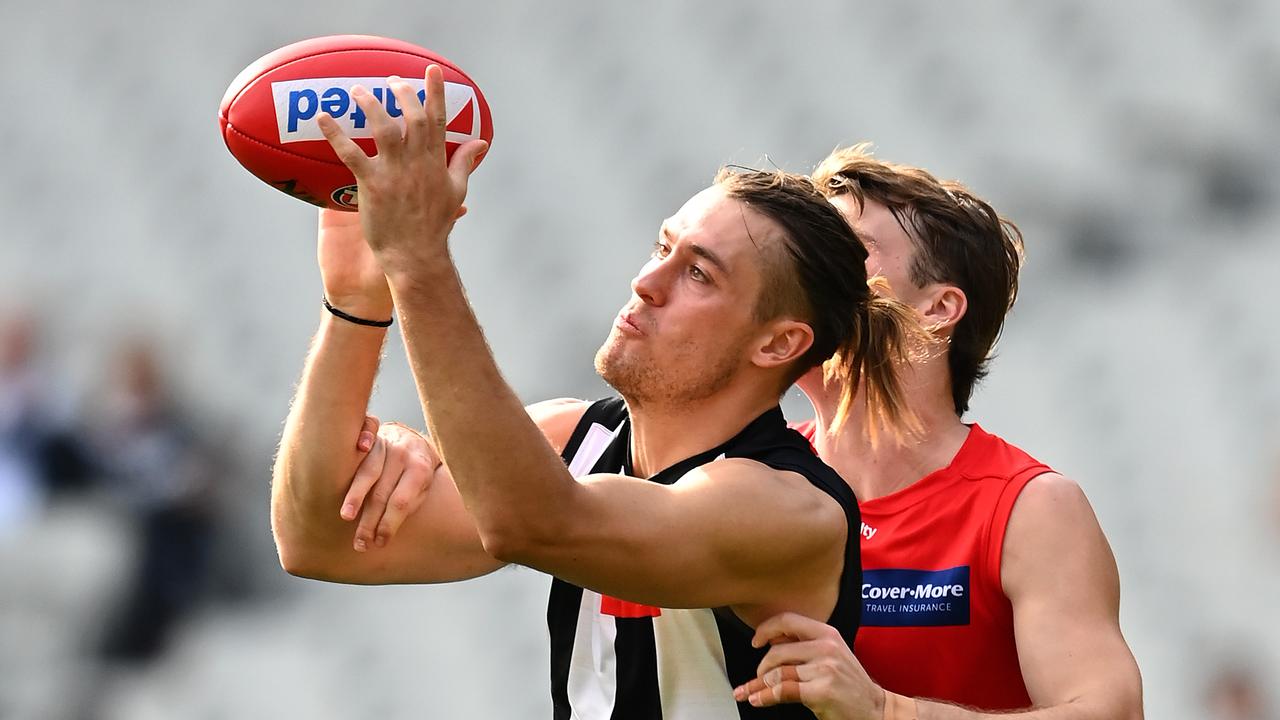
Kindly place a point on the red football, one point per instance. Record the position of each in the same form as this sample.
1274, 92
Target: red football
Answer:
268, 116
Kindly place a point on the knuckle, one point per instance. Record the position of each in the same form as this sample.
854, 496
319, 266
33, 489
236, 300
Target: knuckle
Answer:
400, 503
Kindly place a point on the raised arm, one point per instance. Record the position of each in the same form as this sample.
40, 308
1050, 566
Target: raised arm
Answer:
318, 455
609, 533
1061, 579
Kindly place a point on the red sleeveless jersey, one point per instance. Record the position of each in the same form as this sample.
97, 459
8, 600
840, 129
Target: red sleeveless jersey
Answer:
935, 621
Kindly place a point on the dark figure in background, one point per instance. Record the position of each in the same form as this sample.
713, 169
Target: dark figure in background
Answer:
154, 462
40, 455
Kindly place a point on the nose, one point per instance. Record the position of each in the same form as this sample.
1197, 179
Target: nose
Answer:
649, 284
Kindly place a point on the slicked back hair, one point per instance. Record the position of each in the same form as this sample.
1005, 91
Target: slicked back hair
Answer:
816, 273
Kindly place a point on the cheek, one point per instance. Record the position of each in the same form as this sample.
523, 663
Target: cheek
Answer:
893, 268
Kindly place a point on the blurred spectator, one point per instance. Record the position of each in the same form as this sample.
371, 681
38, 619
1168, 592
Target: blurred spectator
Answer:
156, 465
1235, 693
39, 454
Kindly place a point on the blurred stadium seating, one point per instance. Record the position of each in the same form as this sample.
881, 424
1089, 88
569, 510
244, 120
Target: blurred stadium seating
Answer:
1133, 142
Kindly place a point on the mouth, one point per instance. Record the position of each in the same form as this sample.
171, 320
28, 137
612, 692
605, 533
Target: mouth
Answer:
628, 325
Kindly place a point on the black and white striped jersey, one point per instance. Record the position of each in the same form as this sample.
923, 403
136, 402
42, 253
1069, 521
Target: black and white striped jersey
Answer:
616, 660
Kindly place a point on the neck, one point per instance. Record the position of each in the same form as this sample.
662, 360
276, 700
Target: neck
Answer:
875, 469
664, 433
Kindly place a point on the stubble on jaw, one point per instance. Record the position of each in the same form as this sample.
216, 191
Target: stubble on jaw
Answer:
692, 375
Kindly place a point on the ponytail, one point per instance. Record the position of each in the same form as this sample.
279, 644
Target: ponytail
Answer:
887, 336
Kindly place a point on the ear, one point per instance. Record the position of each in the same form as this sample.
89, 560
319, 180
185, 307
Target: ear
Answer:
784, 341
946, 305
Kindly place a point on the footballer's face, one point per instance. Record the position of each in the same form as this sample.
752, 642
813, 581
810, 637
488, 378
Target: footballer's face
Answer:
890, 252
689, 328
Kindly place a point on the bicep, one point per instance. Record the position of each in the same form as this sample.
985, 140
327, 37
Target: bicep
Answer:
1061, 579
737, 535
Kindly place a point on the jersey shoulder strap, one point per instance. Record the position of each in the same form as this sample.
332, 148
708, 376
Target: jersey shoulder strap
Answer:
602, 423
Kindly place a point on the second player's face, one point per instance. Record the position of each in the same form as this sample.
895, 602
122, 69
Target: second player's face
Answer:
686, 332
889, 254
889, 248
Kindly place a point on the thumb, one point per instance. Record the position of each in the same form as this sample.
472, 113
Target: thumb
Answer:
466, 159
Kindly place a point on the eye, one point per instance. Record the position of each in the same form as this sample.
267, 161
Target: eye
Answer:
660, 250
697, 274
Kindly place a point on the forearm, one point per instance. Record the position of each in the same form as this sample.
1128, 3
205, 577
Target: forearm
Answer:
930, 710
511, 480
318, 454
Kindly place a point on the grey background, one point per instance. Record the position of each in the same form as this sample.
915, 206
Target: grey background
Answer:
1133, 142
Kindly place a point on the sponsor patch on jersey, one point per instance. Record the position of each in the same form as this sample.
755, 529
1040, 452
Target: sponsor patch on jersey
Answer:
298, 102
915, 598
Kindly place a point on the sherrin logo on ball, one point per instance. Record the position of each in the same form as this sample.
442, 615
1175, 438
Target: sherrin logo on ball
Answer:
268, 114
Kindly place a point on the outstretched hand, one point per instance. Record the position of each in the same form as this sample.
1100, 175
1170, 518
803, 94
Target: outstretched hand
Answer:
410, 193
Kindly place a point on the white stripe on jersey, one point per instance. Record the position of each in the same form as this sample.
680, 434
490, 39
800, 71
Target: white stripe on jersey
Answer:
692, 679
592, 447
593, 674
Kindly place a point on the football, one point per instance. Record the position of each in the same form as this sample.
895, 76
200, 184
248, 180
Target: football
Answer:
268, 114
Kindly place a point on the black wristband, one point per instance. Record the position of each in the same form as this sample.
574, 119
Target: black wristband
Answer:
353, 318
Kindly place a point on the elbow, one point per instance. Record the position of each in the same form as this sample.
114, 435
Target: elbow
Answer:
506, 544
300, 556
294, 559
309, 565
515, 541
296, 564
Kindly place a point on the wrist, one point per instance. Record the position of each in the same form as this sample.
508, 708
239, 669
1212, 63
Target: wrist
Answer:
423, 277
381, 321
897, 707
361, 305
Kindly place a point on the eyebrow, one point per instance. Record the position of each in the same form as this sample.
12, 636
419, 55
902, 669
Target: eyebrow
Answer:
700, 251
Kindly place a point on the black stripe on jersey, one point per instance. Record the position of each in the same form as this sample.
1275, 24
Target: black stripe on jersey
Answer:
637, 662
562, 612
766, 440
741, 661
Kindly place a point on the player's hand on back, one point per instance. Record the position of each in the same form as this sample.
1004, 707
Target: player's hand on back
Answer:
809, 662
390, 483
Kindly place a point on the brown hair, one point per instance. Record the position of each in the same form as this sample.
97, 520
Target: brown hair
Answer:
819, 277
959, 239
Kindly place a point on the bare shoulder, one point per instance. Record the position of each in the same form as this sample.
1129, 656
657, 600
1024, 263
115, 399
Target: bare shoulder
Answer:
557, 418
1052, 497
782, 496
1054, 533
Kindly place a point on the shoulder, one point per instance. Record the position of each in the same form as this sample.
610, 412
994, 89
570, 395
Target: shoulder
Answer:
1053, 500
557, 418
780, 495
1052, 527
